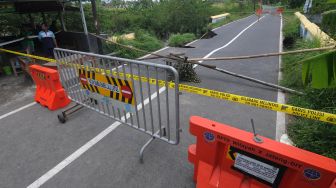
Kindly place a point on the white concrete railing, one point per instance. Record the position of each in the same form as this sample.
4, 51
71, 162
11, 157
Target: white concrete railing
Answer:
309, 31
217, 18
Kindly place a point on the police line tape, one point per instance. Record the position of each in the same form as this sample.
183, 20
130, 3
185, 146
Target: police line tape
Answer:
28, 55
259, 103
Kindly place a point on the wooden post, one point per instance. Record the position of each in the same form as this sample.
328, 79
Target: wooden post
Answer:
61, 13
96, 25
44, 18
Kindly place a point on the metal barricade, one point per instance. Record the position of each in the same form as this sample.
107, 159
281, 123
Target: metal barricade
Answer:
132, 92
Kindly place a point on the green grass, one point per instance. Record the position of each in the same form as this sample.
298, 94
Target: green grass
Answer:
143, 40
236, 10
179, 40
314, 136
329, 22
292, 68
228, 19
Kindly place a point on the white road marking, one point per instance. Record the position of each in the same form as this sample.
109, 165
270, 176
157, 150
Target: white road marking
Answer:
230, 42
220, 27
280, 124
153, 52
17, 110
60, 166
231, 22
196, 39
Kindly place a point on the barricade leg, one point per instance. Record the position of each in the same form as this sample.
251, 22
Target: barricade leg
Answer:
63, 116
148, 142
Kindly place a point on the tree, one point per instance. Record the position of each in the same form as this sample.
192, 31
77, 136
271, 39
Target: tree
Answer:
96, 24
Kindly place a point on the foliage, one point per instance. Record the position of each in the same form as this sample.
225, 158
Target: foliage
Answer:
160, 17
228, 19
329, 22
9, 24
322, 6
186, 72
176, 16
179, 40
314, 136
308, 134
291, 32
13, 24
320, 71
143, 40
294, 3
235, 9
292, 69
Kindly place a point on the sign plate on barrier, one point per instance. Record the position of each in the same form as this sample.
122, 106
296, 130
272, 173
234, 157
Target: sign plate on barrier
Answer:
108, 89
256, 168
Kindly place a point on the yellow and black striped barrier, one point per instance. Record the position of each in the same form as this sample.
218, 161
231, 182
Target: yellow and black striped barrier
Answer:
258, 103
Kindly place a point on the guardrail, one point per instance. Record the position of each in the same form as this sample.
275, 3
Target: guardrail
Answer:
309, 30
217, 18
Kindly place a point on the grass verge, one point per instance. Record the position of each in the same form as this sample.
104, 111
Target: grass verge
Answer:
143, 40
314, 136
228, 19
179, 40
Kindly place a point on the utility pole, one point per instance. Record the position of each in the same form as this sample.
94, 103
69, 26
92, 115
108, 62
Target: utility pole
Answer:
84, 25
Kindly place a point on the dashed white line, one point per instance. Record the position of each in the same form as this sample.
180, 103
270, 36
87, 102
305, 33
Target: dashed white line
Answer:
17, 110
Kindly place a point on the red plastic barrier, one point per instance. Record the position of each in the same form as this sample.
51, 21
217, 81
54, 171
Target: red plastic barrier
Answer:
280, 10
228, 157
259, 11
49, 91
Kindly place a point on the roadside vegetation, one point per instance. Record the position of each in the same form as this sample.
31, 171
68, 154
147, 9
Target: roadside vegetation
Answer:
237, 11
179, 40
329, 22
310, 135
143, 40
172, 21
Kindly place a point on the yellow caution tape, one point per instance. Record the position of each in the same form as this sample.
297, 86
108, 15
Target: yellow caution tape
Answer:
269, 105
28, 55
259, 103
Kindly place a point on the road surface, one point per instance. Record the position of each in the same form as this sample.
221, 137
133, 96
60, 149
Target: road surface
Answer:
91, 150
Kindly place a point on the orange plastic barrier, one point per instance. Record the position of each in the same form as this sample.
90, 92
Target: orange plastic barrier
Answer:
49, 91
228, 157
280, 10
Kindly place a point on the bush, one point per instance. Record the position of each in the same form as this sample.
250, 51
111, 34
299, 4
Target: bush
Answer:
314, 136
329, 22
317, 137
179, 40
296, 3
292, 70
291, 32
143, 40
322, 6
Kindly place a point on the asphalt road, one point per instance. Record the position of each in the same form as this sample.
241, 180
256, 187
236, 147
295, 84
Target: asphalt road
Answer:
38, 150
